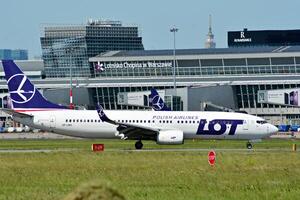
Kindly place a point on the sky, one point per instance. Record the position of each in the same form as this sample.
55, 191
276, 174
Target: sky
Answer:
21, 21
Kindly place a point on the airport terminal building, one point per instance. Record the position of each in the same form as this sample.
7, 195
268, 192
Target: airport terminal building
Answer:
215, 73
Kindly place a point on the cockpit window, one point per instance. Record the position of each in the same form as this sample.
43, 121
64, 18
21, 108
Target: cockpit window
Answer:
261, 121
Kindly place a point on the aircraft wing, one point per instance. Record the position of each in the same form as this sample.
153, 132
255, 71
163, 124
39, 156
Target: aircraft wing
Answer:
15, 113
129, 130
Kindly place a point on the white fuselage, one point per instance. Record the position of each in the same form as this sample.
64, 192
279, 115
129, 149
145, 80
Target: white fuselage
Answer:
86, 123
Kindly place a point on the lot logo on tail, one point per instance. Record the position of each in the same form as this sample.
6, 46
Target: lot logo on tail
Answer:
157, 102
21, 91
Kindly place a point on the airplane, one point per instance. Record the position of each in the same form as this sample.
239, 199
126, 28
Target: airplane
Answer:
156, 102
30, 108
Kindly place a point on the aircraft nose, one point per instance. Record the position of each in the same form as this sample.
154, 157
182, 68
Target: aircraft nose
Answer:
272, 129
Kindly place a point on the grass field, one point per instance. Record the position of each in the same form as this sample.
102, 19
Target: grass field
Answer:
270, 171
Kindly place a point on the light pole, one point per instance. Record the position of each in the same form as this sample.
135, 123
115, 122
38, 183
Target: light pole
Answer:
69, 51
174, 30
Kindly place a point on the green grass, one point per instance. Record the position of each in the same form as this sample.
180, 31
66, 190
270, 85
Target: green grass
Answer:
255, 174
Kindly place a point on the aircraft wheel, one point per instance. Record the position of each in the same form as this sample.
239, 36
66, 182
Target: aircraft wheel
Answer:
249, 145
139, 145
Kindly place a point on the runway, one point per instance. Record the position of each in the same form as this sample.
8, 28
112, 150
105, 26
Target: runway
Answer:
148, 150
206, 150
35, 150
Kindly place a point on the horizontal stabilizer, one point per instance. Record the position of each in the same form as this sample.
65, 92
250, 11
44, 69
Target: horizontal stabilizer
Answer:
15, 113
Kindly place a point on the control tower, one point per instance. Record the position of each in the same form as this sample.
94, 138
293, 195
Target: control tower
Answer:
209, 43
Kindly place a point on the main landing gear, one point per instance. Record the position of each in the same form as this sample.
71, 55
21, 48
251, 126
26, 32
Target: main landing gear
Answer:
249, 145
139, 144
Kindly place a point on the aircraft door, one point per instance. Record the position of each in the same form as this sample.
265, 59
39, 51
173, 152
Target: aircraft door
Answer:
246, 125
52, 121
49, 122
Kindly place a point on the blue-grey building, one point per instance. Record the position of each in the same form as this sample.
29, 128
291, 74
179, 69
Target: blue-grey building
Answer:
14, 54
72, 45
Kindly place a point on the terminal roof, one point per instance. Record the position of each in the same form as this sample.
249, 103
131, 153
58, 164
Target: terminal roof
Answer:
231, 50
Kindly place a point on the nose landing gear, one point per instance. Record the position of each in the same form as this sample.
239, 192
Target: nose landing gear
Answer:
249, 145
138, 144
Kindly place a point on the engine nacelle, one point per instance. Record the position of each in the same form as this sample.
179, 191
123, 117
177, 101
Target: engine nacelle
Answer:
170, 137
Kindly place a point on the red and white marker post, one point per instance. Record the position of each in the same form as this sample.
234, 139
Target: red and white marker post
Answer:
71, 99
212, 158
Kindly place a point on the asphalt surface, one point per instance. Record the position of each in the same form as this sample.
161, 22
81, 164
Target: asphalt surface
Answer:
31, 135
245, 150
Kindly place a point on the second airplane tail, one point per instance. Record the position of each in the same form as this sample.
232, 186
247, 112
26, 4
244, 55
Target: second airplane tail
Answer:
156, 102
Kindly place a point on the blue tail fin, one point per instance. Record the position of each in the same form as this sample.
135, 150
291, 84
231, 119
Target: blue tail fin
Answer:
156, 102
22, 92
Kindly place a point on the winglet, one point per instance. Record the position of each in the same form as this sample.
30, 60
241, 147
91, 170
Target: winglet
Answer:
156, 101
101, 113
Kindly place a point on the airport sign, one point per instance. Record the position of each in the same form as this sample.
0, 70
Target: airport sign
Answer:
282, 96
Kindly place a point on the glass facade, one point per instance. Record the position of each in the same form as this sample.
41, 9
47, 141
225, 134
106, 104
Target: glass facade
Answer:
108, 97
16, 54
247, 95
201, 67
61, 54
66, 47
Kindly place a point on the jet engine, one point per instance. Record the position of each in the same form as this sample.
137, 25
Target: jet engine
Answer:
170, 137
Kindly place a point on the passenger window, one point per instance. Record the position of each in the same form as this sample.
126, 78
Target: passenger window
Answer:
66, 120
92, 120
81, 120
77, 120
